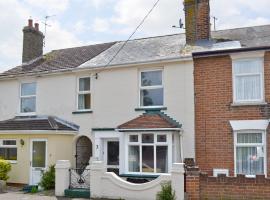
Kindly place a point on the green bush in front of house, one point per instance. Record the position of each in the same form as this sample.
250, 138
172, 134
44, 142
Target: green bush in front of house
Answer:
48, 179
5, 167
166, 193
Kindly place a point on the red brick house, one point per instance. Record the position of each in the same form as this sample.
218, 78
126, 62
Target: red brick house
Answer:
232, 96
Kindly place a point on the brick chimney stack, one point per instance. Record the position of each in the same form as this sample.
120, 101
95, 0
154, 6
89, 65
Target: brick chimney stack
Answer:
32, 42
197, 17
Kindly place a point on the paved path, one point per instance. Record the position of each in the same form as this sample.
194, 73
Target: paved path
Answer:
21, 196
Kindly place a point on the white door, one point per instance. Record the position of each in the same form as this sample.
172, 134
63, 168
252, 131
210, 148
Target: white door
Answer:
111, 155
38, 160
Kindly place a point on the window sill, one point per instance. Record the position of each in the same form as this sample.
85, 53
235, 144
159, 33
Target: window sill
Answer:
12, 161
82, 112
25, 114
150, 109
236, 104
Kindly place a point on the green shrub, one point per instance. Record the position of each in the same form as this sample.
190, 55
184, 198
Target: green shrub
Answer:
48, 179
166, 192
34, 190
5, 167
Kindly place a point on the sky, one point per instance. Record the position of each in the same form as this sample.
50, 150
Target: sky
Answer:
84, 22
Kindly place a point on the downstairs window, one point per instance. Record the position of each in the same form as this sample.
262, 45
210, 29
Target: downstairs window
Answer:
148, 153
249, 151
8, 150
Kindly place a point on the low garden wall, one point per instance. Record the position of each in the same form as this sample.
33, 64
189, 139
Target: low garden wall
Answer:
201, 186
108, 185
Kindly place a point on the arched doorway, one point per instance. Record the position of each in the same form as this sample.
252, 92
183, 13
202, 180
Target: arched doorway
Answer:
83, 152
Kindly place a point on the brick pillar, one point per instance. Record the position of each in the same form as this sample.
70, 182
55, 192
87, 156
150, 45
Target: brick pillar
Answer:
192, 183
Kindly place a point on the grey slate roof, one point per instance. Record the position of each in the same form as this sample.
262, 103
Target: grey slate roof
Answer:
47, 123
62, 59
143, 50
173, 46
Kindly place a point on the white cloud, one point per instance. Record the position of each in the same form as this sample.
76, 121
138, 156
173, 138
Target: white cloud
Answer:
240, 13
13, 17
79, 27
98, 4
101, 25
50, 6
129, 14
58, 38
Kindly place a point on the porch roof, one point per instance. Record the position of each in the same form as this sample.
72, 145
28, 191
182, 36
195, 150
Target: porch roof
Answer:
37, 123
150, 120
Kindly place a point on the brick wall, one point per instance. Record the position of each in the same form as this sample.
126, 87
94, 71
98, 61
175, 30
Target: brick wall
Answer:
203, 187
197, 20
213, 111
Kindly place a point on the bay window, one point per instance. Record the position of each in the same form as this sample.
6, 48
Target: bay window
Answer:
8, 150
148, 153
28, 98
250, 153
248, 80
84, 94
151, 88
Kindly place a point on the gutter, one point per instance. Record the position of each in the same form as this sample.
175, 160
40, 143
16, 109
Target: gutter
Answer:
204, 54
41, 132
149, 129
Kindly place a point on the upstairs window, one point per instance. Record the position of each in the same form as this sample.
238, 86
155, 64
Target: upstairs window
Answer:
84, 94
28, 98
151, 88
248, 80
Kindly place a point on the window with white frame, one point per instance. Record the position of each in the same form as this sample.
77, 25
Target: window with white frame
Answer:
248, 80
84, 94
28, 98
151, 88
249, 152
8, 150
148, 153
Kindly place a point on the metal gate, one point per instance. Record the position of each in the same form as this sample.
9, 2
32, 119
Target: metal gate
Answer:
79, 178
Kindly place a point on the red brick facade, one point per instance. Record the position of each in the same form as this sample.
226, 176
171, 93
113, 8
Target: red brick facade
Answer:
214, 110
201, 186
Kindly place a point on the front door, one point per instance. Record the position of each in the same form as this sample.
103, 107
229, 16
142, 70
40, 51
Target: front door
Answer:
112, 156
38, 161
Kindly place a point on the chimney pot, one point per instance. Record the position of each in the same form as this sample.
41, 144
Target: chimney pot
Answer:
37, 26
30, 22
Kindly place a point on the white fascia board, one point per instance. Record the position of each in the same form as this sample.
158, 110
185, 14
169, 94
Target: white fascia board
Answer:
247, 55
38, 132
238, 125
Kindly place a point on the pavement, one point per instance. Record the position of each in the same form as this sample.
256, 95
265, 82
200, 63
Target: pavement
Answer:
16, 194
22, 196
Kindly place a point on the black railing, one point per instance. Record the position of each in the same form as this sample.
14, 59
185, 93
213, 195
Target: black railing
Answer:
79, 178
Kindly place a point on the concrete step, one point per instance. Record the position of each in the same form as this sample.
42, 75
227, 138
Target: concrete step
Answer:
77, 193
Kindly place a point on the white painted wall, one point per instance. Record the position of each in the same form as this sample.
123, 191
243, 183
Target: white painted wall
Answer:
108, 185
115, 95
